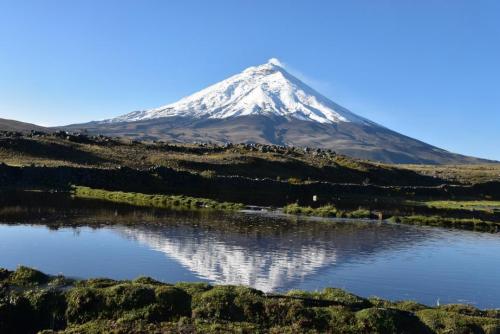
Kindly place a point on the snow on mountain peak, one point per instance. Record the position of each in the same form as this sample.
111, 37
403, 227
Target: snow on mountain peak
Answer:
275, 61
266, 89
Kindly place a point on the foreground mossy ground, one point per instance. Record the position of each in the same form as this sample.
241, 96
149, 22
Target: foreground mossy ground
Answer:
31, 302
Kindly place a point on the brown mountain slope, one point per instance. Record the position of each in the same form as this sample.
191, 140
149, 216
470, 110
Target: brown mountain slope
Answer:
356, 140
12, 125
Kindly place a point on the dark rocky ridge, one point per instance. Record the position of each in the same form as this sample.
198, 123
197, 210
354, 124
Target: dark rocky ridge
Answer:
352, 139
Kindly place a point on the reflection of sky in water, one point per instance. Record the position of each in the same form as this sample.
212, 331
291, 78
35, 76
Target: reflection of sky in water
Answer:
396, 262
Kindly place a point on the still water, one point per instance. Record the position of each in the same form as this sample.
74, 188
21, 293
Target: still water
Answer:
270, 253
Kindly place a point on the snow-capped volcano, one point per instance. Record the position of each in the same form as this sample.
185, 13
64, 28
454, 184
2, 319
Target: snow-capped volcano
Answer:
266, 89
266, 104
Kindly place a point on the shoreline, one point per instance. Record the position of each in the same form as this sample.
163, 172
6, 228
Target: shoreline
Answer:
327, 211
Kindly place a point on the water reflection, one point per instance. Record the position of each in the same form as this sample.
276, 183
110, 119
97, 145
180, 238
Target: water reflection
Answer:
269, 259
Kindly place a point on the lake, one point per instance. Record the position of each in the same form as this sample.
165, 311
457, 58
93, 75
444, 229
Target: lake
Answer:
78, 238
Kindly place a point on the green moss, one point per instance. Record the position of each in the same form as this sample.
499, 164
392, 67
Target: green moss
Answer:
335, 295
405, 305
194, 288
325, 211
343, 319
28, 276
49, 306
4, 274
127, 296
17, 315
462, 223
234, 303
174, 302
386, 321
97, 283
285, 311
84, 304
442, 321
486, 206
147, 280
359, 213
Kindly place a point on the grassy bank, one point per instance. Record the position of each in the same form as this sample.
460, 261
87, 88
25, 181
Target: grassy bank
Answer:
32, 301
446, 207
176, 202
460, 223
486, 206
326, 211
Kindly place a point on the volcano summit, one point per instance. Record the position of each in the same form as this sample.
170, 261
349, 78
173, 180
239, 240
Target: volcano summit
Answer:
266, 104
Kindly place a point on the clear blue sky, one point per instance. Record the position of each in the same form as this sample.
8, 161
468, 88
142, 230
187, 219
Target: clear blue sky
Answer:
428, 69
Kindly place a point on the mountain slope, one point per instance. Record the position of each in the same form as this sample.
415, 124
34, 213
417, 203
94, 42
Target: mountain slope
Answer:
365, 142
266, 104
12, 125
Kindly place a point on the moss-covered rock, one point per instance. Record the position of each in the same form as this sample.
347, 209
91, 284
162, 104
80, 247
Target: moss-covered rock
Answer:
128, 296
49, 306
4, 274
405, 305
17, 315
285, 311
194, 288
442, 321
234, 303
28, 276
386, 321
147, 280
84, 304
173, 301
334, 295
97, 283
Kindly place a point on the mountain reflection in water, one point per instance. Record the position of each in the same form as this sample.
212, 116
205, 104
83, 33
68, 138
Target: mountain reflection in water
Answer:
274, 260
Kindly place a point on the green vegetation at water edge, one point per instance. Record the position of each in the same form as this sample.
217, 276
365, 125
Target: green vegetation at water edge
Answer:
462, 223
156, 201
31, 301
487, 206
325, 211
476, 224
